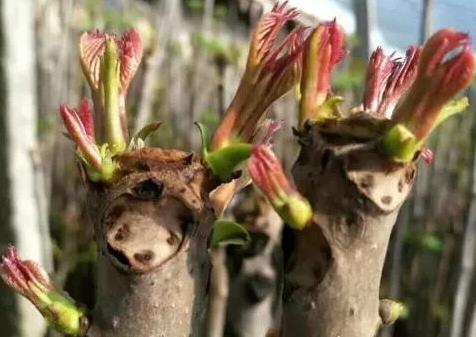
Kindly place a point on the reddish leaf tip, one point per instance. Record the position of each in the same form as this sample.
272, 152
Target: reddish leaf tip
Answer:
10, 253
22, 275
378, 72
427, 155
131, 50
267, 173
80, 128
87, 119
264, 134
324, 48
447, 66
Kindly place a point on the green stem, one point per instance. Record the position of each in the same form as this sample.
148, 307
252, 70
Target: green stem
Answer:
111, 86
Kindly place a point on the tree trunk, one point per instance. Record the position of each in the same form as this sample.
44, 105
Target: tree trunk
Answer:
168, 19
333, 277
397, 259
472, 324
152, 227
365, 18
20, 213
425, 28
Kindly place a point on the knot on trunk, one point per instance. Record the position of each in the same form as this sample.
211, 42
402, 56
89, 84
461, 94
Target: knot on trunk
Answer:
152, 211
336, 263
342, 172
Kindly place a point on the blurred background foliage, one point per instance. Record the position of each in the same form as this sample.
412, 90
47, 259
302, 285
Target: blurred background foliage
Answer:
195, 52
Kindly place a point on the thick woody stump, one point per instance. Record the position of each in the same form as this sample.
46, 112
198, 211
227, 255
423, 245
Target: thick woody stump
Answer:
333, 276
151, 228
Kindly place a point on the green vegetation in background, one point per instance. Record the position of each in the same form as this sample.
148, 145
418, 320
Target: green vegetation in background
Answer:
351, 77
209, 118
220, 9
216, 48
425, 242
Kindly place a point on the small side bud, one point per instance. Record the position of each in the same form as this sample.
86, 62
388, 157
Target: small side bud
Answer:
268, 175
29, 280
324, 48
98, 160
390, 311
80, 128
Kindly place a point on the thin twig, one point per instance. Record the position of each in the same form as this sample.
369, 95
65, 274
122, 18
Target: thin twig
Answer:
218, 294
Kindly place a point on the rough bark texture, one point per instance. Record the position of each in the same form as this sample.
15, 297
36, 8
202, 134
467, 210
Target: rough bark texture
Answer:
333, 276
151, 228
20, 210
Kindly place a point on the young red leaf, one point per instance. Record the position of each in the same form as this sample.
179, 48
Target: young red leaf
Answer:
402, 77
272, 70
447, 66
91, 50
25, 277
82, 134
131, 49
388, 79
324, 48
87, 119
378, 72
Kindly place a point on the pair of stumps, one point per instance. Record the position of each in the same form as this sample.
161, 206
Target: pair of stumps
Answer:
157, 213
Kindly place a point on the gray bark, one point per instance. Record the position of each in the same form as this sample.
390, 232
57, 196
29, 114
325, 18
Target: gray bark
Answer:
151, 227
472, 325
397, 258
168, 20
332, 280
20, 211
365, 18
425, 29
